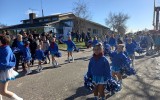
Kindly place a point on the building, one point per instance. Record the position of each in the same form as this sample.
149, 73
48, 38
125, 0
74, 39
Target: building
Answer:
61, 23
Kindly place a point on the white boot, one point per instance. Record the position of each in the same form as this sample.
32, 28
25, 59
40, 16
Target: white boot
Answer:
68, 60
53, 63
38, 68
57, 64
72, 59
1, 97
15, 97
28, 71
41, 68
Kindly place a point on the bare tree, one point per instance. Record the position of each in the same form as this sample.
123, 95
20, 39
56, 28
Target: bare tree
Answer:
117, 22
82, 13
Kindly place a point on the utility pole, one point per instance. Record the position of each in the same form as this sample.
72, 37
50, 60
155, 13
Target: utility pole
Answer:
42, 9
154, 16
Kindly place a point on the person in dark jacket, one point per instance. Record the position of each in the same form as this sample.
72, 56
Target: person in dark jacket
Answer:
18, 44
83, 36
32, 46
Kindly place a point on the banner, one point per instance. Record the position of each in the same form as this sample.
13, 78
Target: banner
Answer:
66, 33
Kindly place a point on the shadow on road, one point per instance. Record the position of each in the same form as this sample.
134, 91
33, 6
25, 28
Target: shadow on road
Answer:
139, 57
81, 91
84, 58
22, 73
146, 82
145, 91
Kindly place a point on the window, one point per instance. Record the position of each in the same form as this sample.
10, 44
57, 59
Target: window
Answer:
89, 29
41, 20
68, 23
54, 18
46, 19
27, 22
95, 31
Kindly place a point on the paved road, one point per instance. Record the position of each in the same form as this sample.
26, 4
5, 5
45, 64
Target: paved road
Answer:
66, 82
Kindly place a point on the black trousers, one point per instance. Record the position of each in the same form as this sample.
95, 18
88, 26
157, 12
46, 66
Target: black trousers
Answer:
18, 58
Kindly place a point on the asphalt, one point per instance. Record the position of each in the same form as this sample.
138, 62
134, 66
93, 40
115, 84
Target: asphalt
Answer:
66, 81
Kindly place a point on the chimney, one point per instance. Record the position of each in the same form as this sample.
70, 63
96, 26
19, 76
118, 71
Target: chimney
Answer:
31, 17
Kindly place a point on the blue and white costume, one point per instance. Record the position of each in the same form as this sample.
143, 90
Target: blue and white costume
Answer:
119, 60
130, 48
53, 48
94, 42
7, 62
70, 45
39, 55
112, 41
99, 70
26, 54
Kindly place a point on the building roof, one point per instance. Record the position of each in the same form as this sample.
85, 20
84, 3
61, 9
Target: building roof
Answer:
55, 15
18, 26
48, 23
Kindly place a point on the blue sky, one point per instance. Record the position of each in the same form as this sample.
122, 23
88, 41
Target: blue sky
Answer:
140, 11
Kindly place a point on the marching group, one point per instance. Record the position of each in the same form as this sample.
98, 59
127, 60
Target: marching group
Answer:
103, 76
26, 47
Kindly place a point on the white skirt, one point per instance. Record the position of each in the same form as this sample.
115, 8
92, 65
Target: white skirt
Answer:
8, 74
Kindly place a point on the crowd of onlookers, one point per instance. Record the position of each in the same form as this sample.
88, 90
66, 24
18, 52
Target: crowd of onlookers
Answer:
34, 40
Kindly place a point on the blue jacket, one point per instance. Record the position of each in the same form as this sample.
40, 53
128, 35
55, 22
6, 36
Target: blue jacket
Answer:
20, 45
112, 41
53, 48
99, 67
7, 58
94, 42
157, 40
26, 53
119, 59
70, 44
39, 54
130, 48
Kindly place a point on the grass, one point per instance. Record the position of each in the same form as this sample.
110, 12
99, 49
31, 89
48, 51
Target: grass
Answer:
78, 45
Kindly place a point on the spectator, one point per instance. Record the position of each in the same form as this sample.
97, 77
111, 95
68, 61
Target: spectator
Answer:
83, 36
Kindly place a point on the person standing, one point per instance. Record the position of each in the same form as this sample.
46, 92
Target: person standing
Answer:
112, 42
39, 55
26, 57
18, 44
119, 60
130, 49
70, 48
45, 46
53, 49
32, 46
83, 36
99, 70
